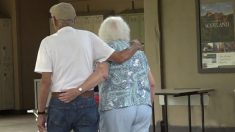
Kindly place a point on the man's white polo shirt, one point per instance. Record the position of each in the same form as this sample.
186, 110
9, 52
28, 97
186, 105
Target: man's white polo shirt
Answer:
69, 54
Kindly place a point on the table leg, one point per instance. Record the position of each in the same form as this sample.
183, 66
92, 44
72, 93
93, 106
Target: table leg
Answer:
189, 113
153, 117
165, 113
202, 110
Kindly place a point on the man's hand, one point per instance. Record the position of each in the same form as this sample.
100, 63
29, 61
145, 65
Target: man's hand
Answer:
69, 95
41, 121
137, 44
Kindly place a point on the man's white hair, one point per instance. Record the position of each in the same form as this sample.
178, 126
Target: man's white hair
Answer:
114, 28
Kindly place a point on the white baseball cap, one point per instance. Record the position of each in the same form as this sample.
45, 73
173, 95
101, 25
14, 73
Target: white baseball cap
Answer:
64, 11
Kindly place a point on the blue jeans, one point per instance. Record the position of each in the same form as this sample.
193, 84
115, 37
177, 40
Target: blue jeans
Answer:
80, 115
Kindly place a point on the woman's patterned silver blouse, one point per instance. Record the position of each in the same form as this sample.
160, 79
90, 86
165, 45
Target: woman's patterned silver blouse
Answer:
127, 83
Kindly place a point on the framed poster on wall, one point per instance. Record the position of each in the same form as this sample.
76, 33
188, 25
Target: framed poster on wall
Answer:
216, 41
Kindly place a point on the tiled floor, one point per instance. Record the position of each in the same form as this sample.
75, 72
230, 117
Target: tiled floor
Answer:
18, 123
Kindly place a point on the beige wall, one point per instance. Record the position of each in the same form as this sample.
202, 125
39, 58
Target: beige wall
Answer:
104, 5
152, 47
179, 41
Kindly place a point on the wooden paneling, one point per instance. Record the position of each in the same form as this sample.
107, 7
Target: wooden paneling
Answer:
136, 24
6, 66
91, 23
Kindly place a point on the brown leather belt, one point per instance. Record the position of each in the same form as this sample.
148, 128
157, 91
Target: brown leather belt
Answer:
85, 94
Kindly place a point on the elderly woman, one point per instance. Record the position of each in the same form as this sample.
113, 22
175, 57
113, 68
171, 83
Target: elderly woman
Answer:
126, 94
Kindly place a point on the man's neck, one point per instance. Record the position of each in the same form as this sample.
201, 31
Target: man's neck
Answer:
62, 26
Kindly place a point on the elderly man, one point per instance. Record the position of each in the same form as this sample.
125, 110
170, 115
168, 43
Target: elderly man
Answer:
65, 60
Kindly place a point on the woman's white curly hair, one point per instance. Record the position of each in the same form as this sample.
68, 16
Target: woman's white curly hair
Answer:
114, 28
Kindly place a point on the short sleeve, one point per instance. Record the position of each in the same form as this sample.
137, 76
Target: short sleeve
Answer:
43, 62
101, 50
